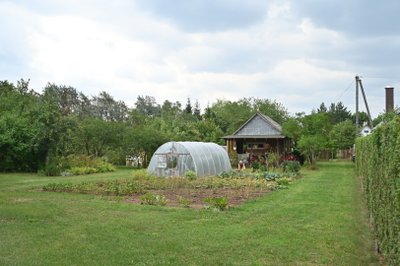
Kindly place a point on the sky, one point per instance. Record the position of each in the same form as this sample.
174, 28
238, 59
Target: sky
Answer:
300, 53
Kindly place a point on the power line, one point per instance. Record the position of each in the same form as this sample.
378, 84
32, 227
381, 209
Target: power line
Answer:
347, 88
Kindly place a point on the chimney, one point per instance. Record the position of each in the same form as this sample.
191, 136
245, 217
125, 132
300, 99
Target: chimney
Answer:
389, 99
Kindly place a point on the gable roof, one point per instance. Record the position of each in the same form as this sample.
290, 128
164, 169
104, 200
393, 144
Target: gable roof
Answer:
258, 126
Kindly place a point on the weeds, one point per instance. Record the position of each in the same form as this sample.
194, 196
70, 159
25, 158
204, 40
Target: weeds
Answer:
220, 204
151, 199
184, 202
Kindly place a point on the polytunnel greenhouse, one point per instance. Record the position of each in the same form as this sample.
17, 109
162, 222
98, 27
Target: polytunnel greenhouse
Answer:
177, 158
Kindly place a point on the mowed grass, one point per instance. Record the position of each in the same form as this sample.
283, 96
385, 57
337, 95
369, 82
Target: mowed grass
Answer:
319, 220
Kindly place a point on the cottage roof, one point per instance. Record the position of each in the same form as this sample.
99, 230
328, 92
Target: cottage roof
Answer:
258, 126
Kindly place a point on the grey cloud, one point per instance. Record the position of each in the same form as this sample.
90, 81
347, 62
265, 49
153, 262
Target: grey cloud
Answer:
208, 15
354, 18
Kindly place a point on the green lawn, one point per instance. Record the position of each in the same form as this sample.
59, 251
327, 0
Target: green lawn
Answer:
319, 220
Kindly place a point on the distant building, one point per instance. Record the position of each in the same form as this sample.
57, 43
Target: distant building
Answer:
260, 135
365, 131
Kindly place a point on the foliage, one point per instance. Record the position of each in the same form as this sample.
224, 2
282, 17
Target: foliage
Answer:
233, 158
114, 188
283, 182
362, 119
337, 112
231, 115
151, 199
273, 109
37, 129
148, 199
315, 133
218, 203
273, 160
143, 181
184, 202
76, 165
343, 135
143, 174
270, 176
292, 128
191, 175
147, 106
291, 166
378, 163
311, 146
256, 165
51, 169
385, 117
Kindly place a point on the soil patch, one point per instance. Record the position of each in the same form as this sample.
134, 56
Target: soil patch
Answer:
196, 197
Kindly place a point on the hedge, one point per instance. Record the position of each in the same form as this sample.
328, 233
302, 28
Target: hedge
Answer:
378, 163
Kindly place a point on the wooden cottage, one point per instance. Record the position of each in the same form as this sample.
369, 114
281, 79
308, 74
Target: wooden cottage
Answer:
259, 136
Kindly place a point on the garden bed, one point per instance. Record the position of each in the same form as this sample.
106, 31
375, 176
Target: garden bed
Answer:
230, 189
194, 198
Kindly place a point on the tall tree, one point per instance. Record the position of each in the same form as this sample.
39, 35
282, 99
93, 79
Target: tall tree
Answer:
273, 109
230, 115
322, 108
98, 136
196, 110
292, 128
188, 107
109, 109
65, 98
315, 135
147, 106
209, 114
338, 113
343, 135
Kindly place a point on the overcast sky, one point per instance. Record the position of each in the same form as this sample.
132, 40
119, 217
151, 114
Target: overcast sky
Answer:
299, 52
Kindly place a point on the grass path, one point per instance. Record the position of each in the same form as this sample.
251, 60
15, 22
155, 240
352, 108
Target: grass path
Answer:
319, 220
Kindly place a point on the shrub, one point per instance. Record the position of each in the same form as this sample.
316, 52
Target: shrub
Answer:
255, 165
378, 163
51, 169
148, 199
83, 170
291, 166
263, 168
83, 165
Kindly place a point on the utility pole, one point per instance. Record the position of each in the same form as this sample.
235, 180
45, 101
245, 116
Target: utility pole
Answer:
357, 117
358, 86
366, 104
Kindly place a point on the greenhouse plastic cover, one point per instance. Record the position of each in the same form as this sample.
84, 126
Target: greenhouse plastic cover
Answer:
177, 158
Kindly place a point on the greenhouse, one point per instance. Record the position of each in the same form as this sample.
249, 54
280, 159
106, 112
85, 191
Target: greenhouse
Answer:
177, 158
